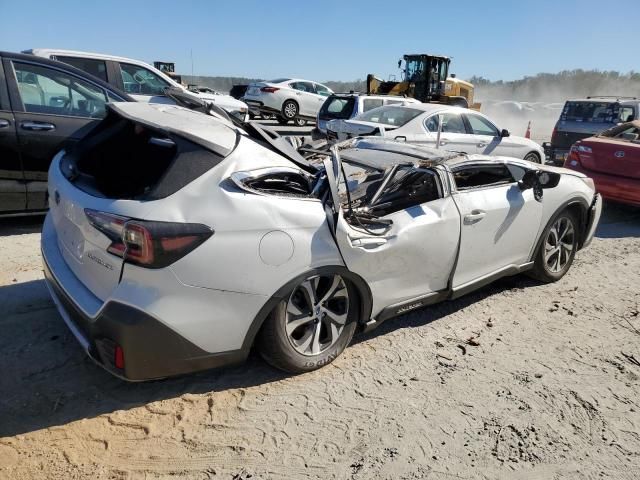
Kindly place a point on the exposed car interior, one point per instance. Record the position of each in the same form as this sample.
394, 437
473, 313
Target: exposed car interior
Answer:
124, 159
472, 176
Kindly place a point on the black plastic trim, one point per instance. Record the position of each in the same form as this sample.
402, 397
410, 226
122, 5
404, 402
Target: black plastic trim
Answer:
152, 350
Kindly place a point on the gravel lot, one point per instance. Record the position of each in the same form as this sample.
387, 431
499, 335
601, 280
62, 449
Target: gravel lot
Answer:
515, 381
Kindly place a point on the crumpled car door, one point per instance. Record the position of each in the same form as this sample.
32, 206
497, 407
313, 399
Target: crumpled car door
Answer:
413, 255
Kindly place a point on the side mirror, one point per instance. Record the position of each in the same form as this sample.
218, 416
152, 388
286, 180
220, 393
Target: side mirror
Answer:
504, 133
548, 179
529, 180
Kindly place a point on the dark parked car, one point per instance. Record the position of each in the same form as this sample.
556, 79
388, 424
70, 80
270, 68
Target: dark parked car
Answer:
44, 106
585, 117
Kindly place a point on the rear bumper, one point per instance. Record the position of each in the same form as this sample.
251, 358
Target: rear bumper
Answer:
151, 348
612, 187
555, 155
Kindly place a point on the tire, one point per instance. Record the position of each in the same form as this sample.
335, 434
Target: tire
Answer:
299, 122
267, 116
532, 157
312, 326
557, 248
289, 110
281, 120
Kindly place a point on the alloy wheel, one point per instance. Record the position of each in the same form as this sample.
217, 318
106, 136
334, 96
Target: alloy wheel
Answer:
290, 110
559, 245
317, 312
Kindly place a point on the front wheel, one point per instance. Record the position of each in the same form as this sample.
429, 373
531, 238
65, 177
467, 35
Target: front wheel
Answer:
532, 157
299, 122
312, 326
557, 248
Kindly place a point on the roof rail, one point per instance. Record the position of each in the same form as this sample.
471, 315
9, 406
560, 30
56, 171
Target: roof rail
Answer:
612, 96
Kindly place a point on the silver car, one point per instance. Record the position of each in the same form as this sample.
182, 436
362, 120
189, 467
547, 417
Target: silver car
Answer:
462, 130
290, 99
177, 241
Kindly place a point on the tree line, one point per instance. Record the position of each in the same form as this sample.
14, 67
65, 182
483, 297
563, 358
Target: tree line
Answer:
545, 87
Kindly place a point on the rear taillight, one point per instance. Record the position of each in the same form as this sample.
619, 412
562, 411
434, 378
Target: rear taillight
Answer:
574, 159
118, 357
269, 89
553, 135
148, 244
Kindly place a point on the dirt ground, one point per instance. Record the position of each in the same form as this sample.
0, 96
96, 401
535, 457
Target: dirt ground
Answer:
516, 381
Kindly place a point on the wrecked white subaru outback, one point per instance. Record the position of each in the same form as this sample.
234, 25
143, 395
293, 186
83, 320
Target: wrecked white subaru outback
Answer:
176, 241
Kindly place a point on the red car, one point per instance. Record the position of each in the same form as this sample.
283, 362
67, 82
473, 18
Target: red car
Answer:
612, 160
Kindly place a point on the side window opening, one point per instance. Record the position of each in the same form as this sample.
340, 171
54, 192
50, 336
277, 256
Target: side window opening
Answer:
50, 91
476, 176
407, 188
481, 126
626, 114
322, 90
97, 68
141, 81
371, 103
451, 123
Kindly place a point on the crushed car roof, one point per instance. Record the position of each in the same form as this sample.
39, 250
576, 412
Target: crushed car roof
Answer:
380, 153
202, 129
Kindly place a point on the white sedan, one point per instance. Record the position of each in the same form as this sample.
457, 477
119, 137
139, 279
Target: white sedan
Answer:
462, 130
290, 99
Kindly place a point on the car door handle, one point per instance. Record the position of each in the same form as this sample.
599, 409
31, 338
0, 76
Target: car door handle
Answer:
368, 242
37, 126
4, 123
482, 145
474, 217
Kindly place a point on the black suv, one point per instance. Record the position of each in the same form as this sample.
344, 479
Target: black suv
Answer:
44, 106
585, 117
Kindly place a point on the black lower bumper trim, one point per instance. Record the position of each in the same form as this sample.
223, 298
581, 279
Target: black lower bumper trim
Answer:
152, 350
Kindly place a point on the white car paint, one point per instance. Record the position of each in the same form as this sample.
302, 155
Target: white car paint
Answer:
271, 96
455, 134
213, 296
225, 102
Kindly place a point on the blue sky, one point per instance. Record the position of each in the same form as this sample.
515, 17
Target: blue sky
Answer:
335, 40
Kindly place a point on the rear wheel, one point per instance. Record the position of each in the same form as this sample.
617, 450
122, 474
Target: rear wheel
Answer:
289, 109
532, 157
557, 248
267, 116
312, 326
300, 122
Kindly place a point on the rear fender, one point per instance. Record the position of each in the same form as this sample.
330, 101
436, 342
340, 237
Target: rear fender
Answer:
364, 298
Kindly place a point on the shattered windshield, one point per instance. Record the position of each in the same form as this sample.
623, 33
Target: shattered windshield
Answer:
391, 115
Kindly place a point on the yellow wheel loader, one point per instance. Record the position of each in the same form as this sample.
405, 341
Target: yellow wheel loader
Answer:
425, 78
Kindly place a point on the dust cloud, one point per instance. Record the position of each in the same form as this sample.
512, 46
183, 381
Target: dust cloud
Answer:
540, 99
